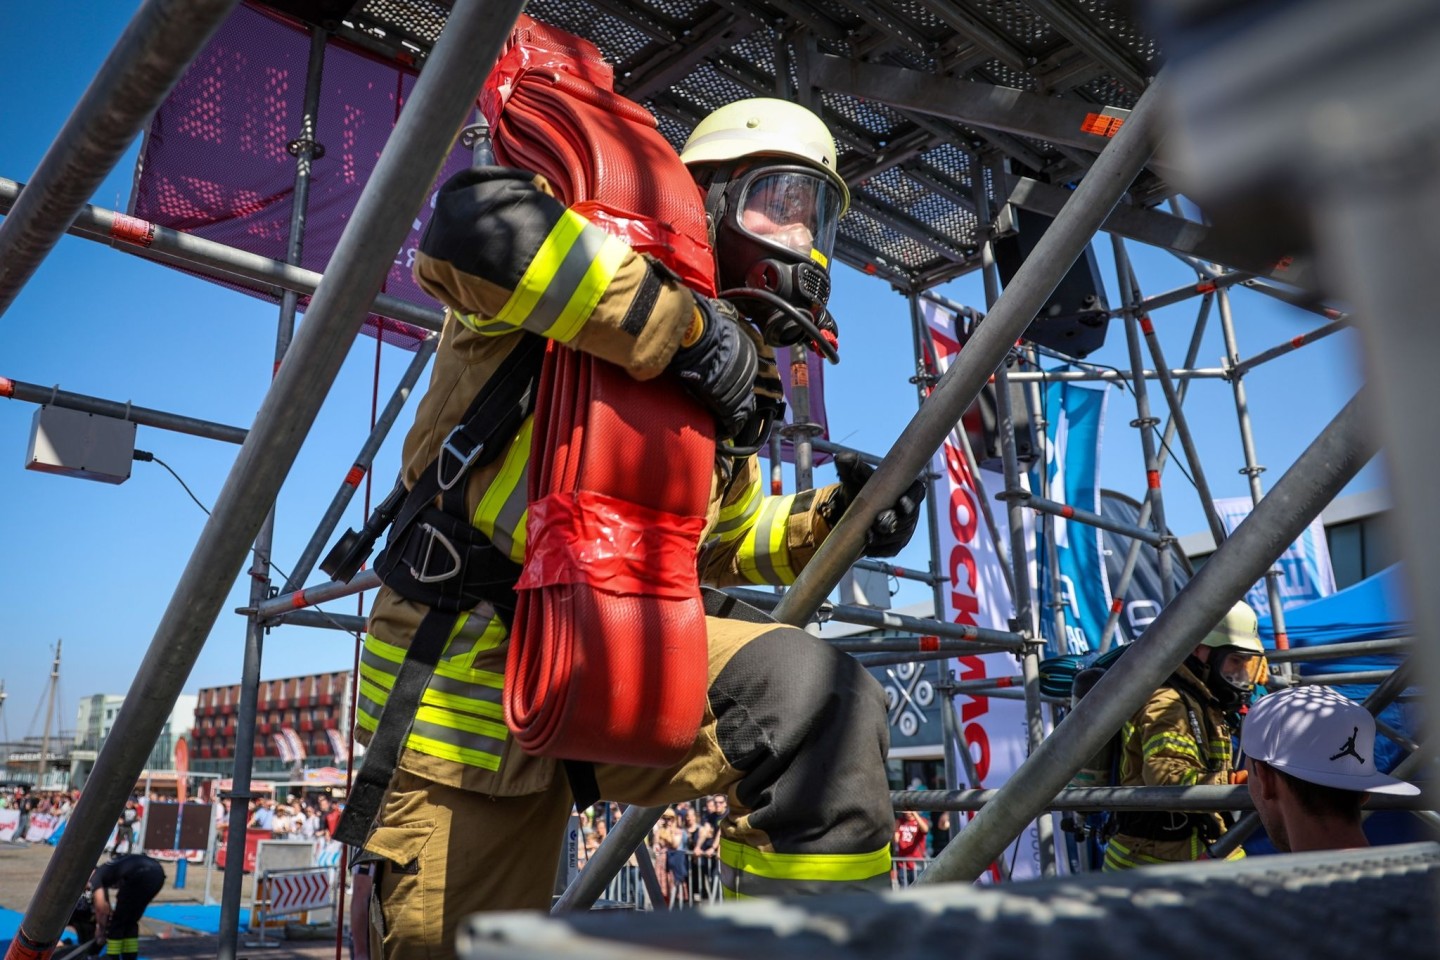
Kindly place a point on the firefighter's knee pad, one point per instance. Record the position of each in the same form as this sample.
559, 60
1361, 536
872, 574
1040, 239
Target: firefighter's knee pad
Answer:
808, 727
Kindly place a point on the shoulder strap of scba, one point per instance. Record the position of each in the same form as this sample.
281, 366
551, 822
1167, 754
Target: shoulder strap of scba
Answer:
436, 557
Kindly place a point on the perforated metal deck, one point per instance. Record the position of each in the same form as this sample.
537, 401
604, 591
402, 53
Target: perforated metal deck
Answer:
1377, 903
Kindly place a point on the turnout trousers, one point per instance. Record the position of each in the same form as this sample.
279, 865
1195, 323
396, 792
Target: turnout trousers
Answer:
794, 734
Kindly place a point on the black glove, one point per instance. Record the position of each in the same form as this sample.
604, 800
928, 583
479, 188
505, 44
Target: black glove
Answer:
893, 526
719, 365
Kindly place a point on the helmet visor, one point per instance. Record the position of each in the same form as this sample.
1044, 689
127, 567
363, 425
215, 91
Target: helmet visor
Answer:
1236, 668
792, 208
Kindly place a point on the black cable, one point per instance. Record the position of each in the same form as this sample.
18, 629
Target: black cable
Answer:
145, 456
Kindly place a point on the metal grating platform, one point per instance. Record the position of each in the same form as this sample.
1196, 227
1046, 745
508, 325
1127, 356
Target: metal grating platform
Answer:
1353, 904
912, 219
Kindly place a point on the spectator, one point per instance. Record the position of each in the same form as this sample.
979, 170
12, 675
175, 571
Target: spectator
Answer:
330, 813
263, 819
910, 831
1181, 737
667, 838
1310, 755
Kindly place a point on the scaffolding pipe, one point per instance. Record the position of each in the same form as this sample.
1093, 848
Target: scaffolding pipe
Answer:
234, 876
949, 732
826, 446
1177, 417
156, 47
1041, 505
1132, 555
1048, 520
345, 622
1114, 170
608, 858
967, 453
432, 115
915, 645
1143, 419
1197, 798
1332, 651
1252, 469
1336, 455
310, 596
1190, 291
875, 617
1114, 376
361, 466
1289, 346
144, 416
879, 566
216, 260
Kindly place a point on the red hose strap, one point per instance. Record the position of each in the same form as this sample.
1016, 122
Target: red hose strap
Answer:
356, 474
7, 387
1152, 479
929, 643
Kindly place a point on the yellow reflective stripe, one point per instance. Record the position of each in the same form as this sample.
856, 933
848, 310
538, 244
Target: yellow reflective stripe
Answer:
734, 519
500, 514
481, 636
805, 866
563, 283
1180, 744
377, 689
439, 748
591, 288
764, 556
377, 648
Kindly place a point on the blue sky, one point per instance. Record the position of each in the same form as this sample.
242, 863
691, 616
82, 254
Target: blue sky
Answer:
96, 564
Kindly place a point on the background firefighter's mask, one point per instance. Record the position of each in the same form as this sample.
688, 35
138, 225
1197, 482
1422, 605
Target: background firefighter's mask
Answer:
774, 227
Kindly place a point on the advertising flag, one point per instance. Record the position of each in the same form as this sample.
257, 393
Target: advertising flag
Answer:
976, 594
1305, 571
1075, 418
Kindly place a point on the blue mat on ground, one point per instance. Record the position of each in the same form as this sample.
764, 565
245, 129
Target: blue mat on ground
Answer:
191, 915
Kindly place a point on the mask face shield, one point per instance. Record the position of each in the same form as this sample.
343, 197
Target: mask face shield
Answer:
1236, 669
792, 210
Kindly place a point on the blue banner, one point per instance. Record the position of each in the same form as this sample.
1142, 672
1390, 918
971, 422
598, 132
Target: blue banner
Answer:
1074, 416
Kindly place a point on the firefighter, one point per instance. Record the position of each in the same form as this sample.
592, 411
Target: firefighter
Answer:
794, 734
135, 880
1181, 737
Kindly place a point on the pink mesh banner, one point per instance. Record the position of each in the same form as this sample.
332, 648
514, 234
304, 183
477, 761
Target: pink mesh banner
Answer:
215, 161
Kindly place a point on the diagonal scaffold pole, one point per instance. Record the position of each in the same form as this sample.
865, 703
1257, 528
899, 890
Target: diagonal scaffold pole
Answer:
156, 47
1105, 182
412, 157
1330, 462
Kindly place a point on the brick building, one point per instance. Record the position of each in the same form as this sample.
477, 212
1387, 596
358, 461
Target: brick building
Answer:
304, 709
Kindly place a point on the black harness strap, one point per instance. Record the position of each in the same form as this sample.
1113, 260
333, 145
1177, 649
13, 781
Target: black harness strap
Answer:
470, 568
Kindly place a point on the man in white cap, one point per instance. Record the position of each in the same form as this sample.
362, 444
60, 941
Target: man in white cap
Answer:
1311, 757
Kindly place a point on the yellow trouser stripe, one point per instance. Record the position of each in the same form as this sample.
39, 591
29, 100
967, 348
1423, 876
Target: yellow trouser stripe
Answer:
805, 866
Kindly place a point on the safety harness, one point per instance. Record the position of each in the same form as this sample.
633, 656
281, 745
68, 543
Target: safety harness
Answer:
436, 557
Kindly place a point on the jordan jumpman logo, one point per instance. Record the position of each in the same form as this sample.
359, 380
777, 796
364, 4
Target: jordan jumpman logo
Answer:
1350, 748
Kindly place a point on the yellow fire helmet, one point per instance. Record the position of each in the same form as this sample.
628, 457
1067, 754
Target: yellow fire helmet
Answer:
1240, 628
764, 126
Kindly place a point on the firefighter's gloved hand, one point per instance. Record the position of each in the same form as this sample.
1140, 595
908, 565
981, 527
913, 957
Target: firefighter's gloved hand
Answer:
893, 526
717, 362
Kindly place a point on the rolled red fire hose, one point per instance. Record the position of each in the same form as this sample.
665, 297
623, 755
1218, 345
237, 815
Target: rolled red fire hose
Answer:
607, 659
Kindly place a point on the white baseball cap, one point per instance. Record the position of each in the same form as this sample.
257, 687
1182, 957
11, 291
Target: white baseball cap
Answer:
1317, 735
